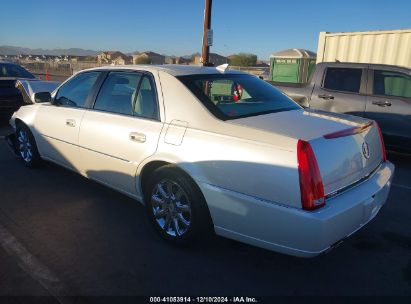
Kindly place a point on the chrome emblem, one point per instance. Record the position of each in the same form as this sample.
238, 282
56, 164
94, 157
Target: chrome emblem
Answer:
365, 150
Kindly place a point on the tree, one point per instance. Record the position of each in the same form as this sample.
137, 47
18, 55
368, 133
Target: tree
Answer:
243, 59
143, 60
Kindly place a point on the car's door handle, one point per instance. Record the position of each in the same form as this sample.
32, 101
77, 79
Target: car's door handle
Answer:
138, 137
70, 123
326, 96
382, 103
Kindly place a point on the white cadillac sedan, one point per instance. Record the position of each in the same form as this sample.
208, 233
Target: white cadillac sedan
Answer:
209, 149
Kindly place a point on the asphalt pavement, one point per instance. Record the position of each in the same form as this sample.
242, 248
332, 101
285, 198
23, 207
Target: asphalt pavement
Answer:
61, 234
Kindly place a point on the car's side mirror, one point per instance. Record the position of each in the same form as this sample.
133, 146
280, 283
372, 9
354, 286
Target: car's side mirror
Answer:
41, 97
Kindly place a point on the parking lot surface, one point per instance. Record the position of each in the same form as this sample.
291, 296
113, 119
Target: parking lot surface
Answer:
61, 234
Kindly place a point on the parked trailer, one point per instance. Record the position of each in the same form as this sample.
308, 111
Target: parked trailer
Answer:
380, 47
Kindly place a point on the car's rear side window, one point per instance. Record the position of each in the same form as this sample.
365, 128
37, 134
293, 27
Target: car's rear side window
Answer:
128, 93
343, 79
395, 84
74, 92
118, 93
230, 96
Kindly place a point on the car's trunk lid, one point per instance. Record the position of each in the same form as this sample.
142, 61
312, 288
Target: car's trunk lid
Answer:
344, 158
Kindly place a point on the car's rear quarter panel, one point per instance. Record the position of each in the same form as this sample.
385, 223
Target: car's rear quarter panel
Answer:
249, 161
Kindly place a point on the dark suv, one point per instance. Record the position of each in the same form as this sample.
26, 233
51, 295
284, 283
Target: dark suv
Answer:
10, 97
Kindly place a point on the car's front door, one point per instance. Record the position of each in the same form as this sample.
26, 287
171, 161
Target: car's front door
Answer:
390, 105
121, 130
342, 90
57, 124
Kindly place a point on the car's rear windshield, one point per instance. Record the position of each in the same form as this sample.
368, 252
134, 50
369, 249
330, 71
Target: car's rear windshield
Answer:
13, 70
230, 96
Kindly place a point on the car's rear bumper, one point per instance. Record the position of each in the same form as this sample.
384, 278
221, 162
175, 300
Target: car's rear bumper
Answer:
295, 231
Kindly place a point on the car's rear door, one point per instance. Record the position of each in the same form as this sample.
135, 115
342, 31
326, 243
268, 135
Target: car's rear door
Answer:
389, 103
341, 90
121, 130
57, 124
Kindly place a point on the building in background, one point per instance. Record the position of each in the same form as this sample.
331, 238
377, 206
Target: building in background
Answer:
216, 59
148, 58
121, 59
177, 60
108, 57
380, 47
292, 66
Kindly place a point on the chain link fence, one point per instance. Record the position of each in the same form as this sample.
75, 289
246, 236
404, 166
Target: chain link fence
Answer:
56, 71
60, 71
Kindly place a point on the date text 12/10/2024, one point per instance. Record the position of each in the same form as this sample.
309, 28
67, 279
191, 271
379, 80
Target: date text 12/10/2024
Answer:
203, 300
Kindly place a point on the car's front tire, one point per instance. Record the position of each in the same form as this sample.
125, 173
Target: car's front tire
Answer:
176, 207
26, 146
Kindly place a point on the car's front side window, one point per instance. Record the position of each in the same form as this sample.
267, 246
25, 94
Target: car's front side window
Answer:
74, 93
387, 83
343, 79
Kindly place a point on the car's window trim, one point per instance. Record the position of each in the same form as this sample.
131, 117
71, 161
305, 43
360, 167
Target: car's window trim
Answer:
96, 88
143, 73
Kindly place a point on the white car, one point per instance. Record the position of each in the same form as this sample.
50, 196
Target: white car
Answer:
213, 149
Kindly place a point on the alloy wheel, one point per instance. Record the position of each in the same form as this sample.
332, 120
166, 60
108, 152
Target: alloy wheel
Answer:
25, 146
171, 208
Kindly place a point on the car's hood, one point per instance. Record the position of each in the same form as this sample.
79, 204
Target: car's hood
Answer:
301, 124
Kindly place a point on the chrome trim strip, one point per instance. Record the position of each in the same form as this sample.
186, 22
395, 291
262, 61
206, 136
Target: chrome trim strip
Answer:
352, 185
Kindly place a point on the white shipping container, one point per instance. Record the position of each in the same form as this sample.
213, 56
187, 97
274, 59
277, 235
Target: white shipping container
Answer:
383, 47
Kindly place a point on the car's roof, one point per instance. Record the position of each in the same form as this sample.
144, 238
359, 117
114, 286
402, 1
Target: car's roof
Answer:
173, 69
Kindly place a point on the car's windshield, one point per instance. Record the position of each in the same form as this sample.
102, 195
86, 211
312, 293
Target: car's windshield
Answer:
13, 70
230, 96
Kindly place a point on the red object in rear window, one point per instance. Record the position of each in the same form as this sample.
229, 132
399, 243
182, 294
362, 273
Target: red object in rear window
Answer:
311, 184
348, 132
384, 153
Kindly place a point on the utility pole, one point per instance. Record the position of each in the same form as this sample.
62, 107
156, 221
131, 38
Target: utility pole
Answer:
207, 34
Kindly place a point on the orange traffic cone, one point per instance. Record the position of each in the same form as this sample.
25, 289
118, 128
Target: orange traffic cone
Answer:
47, 75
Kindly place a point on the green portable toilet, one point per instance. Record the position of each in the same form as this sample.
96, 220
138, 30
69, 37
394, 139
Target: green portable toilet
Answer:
292, 65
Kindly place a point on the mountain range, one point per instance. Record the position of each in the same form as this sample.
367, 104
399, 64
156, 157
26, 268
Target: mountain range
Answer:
16, 50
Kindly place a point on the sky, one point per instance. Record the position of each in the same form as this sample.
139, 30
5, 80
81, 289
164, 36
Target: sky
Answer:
174, 27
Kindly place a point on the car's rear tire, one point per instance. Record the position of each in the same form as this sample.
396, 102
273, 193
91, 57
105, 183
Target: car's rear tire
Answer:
26, 146
175, 206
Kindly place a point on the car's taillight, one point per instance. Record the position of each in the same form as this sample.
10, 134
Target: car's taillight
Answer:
384, 153
311, 184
